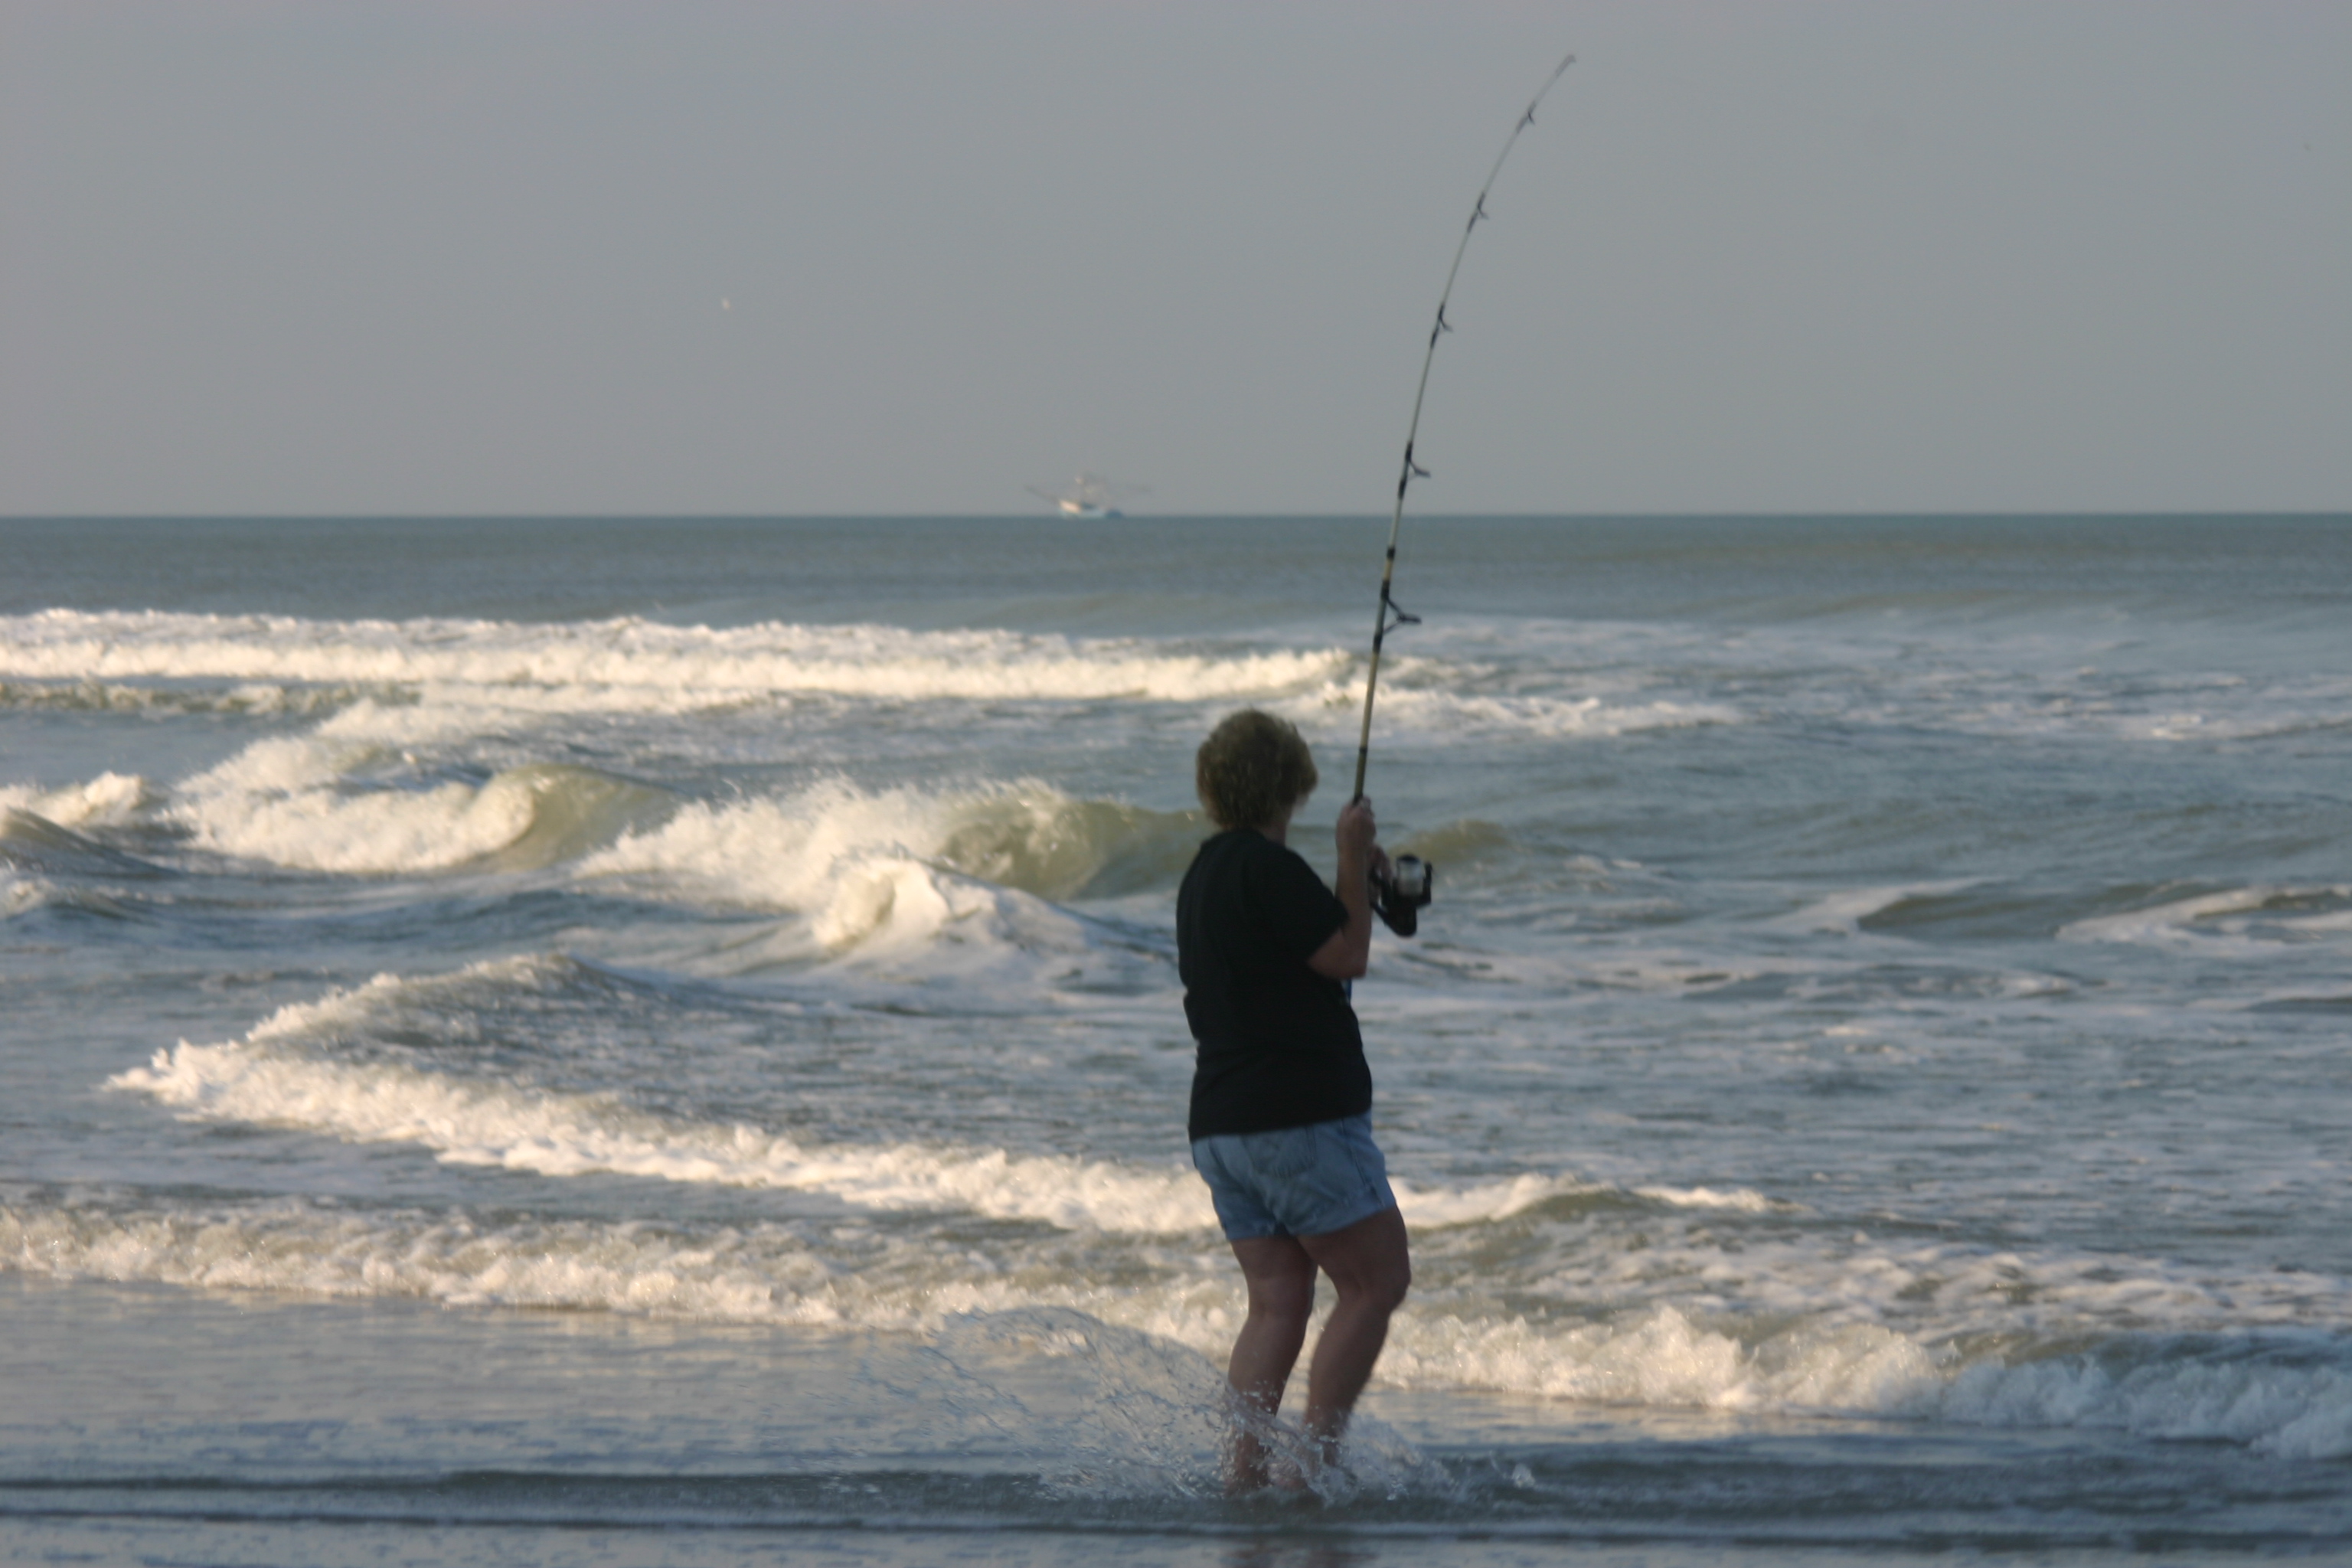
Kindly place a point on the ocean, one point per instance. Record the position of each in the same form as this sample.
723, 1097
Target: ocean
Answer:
657, 1041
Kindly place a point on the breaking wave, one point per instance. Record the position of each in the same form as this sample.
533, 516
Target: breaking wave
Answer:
2277, 1394
278, 665
518, 1128
672, 668
110, 800
19, 893
282, 1073
2240, 919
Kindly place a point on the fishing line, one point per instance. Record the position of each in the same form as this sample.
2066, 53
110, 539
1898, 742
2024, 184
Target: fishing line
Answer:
1400, 897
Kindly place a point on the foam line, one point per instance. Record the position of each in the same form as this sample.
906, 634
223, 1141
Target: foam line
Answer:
694, 666
1844, 911
2285, 1400
517, 1128
286, 664
1439, 709
277, 1076
2206, 919
513, 1127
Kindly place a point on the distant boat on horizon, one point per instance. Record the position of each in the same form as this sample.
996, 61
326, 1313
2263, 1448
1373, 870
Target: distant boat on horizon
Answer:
1089, 496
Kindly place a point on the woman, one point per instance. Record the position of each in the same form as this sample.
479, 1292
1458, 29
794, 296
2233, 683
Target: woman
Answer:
1280, 1123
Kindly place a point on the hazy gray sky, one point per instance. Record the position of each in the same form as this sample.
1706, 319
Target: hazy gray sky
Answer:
909, 256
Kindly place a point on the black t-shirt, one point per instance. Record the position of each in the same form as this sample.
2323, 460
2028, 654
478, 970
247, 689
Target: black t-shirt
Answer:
1278, 1043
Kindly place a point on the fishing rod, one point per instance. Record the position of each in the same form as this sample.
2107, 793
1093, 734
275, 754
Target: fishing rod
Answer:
1399, 898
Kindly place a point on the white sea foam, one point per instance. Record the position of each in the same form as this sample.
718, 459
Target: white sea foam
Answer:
869, 872
1438, 709
1916, 1333
833, 849
283, 1073
2279, 1401
285, 664
1662, 1357
514, 1127
476, 1122
676, 667
1740, 1199
110, 800
19, 893
352, 796
2291, 1408
2241, 919
755, 1275
1433, 1207
1659, 1357
278, 802
2164, 923
336, 799
771, 1272
1846, 911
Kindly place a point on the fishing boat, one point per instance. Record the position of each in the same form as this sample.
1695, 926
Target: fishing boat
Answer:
1088, 495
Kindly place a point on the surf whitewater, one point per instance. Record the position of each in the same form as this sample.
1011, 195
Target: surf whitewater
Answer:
1873, 1029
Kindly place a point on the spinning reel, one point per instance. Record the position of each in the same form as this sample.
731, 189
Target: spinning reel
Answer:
1398, 897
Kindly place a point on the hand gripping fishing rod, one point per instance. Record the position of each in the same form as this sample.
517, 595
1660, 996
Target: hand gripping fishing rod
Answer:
1399, 898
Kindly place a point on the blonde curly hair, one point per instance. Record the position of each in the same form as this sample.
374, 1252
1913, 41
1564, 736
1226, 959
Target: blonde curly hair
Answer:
1251, 769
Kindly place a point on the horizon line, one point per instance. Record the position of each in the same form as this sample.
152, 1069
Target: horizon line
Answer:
1025, 516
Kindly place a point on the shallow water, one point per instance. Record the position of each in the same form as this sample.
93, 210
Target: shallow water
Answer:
640, 1041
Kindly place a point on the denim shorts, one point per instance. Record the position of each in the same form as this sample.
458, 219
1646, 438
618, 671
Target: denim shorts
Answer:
1295, 1181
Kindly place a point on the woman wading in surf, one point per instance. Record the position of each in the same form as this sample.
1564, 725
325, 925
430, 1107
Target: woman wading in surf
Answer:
1280, 1123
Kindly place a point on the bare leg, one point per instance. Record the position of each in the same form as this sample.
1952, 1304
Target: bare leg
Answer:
1281, 1278
1371, 1269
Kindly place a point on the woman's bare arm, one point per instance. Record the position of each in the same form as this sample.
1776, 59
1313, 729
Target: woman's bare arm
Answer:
1350, 950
